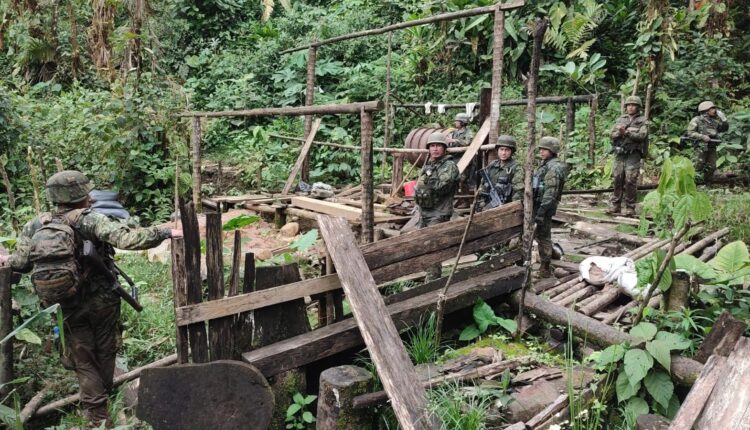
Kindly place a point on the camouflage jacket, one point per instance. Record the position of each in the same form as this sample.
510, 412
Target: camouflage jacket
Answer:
549, 180
506, 178
463, 137
102, 231
705, 125
436, 187
635, 137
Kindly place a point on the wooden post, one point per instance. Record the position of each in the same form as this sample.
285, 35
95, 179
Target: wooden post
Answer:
244, 322
196, 331
647, 107
179, 287
303, 157
592, 130
279, 216
338, 388
388, 108
368, 202
485, 106
396, 371
59, 165
312, 54
528, 203
679, 292
6, 326
397, 174
219, 339
219, 174
11, 196
497, 72
195, 145
570, 120
234, 277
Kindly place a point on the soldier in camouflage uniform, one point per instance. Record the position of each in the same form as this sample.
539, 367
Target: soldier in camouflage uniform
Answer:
629, 144
706, 128
92, 317
506, 175
436, 188
548, 182
461, 136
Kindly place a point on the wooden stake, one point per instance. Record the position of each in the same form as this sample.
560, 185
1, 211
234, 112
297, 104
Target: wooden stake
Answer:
388, 108
366, 176
302, 158
179, 287
312, 55
570, 119
58, 165
529, 227
176, 191
399, 378
220, 345
195, 144
194, 285
395, 190
234, 277
592, 130
497, 72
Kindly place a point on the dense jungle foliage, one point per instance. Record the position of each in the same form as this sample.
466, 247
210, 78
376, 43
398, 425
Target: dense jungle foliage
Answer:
95, 85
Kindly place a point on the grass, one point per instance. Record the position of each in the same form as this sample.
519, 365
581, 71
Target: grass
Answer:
731, 209
457, 411
422, 346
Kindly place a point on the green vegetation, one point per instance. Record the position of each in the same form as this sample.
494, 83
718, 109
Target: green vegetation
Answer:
297, 415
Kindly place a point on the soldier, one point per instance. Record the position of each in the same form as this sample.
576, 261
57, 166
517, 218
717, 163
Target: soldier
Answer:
462, 136
706, 128
91, 310
629, 144
548, 182
505, 175
435, 189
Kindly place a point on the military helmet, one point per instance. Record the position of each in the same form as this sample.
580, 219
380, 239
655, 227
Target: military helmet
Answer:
68, 186
462, 117
704, 106
551, 143
633, 100
507, 141
437, 137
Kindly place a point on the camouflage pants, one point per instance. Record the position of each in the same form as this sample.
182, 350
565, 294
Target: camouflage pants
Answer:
92, 337
705, 166
543, 236
435, 271
625, 176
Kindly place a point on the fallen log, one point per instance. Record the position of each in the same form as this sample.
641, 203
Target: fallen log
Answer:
338, 337
684, 369
601, 232
34, 404
697, 246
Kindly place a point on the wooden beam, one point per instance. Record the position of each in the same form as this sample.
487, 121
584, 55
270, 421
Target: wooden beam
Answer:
594, 104
727, 406
417, 22
312, 56
302, 156
219, 331
692, 407
366, 178
477, 142
179, 289
336, 209
511, 102
195, 145
338, 337
498, 41
387, 351
196, 332
333, 109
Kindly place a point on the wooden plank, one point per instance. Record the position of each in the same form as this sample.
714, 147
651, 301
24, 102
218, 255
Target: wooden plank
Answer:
473, 148
219, 331
239, 199
722, 338
196, 332
332, 109
179, 289
337, 209
284, 320
729, 404
396, 371
699, 394
341, 336
301, 158
558, 405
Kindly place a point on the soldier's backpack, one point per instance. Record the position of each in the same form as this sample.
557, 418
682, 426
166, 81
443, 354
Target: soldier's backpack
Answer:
57, 271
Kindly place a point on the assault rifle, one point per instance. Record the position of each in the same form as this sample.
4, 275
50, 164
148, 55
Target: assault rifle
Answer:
92, 257
684, 139
496, 199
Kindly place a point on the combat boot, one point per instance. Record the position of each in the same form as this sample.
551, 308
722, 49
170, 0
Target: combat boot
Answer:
613, 210
544, 270
630, 212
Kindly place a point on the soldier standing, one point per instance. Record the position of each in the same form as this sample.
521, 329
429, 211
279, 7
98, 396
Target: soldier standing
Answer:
436, 188
461, 136
629, 144
706, 128
91, 309
548, 182
505, 175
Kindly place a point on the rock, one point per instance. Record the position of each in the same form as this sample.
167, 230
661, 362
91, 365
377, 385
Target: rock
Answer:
263, 254
651, 422
162, 253
290, 229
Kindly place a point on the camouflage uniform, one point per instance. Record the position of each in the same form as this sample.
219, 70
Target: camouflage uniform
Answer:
508, 176
92, 318
628, 149
549, 179
701, 126
435, 190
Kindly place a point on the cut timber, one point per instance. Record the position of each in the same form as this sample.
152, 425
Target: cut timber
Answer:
205, 396
728, 407
337, 209
722, 338
283, 320
473, 148
684, 369
339, 386
699, 393
333, 109
396, 371
603, 299
301, 158
416, 251
334, 338
558, 405
602, 232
